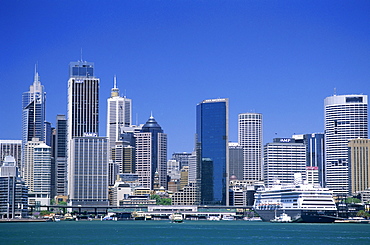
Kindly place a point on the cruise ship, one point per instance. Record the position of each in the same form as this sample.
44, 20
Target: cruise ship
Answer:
302, 202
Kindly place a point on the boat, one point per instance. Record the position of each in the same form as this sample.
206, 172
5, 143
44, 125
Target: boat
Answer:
213, 218
227, 217
138, 215
176, 217
253, 219
283, 218
302, 202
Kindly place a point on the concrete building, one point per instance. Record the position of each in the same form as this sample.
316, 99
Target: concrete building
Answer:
212, 130
346, 118
88, 171
282, 159
37, 172
236, 160
359, 165
250, 139
13, 191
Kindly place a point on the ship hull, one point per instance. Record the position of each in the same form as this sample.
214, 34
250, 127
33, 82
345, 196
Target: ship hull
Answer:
299, 215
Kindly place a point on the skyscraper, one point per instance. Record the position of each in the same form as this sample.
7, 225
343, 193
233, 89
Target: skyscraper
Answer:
213, 150
33, 113
119, 114
83, 100
151, 154
60, 154
250, 138
86, 152
346, 118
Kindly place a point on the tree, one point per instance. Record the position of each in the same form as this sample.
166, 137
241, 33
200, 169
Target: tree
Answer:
352, 200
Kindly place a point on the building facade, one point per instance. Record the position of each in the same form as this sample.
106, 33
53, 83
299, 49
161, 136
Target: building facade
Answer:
151, 154
37, 171
359, 165
60, 155
315, 149
250, 138
119, 114
88, 171
11, 148
236, 160
33, 113
346, 118
212, 151
13, 191
282, 159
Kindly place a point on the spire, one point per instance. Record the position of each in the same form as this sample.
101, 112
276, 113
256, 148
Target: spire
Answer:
115, 90
36, 82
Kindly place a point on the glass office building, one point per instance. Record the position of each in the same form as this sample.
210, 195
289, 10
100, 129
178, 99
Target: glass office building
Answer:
213, 151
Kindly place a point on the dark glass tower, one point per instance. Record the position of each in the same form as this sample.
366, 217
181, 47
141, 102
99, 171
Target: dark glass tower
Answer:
212, 150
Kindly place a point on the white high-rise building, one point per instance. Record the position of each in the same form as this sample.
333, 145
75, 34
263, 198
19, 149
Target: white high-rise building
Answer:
119, 115
37, 171
250, 138
88, 171
346, 118
282, 159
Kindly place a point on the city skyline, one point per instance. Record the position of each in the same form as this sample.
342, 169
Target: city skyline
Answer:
277, 59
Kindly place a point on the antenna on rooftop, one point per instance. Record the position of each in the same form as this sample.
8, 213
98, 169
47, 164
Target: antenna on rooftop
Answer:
81, 55
335, 91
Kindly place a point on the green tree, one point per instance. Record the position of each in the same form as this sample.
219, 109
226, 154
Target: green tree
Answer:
352, 200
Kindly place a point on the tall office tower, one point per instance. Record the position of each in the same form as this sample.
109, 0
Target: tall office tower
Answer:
83, 117
13, 191
151, 154
119, 115
236, 160
11, 148
250, 138
282, 159
60, 155
83, 100
182, 158
88, 171
359, 165
345, 119
315, 153
213, 151
37, 171
33, 113
123, 153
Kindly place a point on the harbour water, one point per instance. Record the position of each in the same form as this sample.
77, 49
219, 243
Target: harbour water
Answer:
188, 232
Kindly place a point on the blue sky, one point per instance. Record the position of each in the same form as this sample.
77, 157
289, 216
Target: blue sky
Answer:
278, 58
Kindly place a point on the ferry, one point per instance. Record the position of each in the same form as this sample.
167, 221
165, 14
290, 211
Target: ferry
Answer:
302, 202
177, 218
